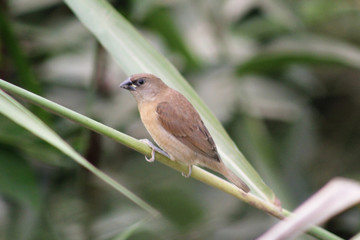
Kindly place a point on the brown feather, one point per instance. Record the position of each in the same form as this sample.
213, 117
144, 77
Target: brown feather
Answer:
176, 126
183, 122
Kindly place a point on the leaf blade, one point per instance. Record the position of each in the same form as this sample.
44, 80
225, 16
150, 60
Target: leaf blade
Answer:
20, 115
135, 54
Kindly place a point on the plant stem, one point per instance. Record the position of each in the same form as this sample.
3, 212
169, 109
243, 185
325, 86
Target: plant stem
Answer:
140, 147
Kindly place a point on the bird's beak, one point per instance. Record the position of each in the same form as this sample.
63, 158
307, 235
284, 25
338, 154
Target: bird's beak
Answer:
128, 85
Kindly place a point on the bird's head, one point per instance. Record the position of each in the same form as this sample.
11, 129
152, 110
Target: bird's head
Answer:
144, 86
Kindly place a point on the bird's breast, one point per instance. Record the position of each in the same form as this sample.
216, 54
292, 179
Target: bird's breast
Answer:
168, 142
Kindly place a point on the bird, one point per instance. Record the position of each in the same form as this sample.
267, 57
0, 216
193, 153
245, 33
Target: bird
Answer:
176, 126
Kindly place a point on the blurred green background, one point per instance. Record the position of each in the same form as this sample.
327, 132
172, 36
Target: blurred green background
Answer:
282, 76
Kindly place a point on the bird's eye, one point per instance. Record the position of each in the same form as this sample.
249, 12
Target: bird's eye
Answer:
141, 81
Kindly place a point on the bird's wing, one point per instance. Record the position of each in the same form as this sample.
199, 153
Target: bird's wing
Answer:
183, 122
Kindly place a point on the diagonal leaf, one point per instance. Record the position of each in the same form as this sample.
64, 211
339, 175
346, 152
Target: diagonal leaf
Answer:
336, 196
131, 230
135, 54
20, 115
137, 145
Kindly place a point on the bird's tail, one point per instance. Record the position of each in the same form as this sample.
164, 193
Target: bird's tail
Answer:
234, 179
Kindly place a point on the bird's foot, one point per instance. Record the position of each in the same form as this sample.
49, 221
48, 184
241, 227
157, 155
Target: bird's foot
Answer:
153, 150
189, 173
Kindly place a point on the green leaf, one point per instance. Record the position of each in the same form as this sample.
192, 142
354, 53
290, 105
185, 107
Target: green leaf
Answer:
20, 115
135, 54
26, 75
17, 180
26, 143
187, 211
132, 230
160, 20
19, 61
312, 51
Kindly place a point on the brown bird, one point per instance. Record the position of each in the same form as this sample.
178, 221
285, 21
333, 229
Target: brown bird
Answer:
176, 126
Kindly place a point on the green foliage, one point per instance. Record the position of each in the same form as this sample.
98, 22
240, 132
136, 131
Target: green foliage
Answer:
17, 180
176, 205
282, 77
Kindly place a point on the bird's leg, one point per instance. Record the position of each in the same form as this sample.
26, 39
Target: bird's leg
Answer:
154, 149
189, 173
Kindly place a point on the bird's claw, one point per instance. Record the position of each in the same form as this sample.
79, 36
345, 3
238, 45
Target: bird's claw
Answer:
189, 173
152, 159
153, 148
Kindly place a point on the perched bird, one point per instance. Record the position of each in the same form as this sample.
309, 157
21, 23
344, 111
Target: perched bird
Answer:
176, 126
